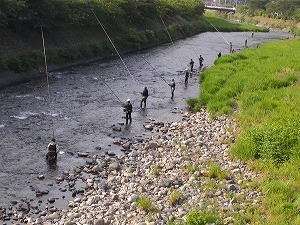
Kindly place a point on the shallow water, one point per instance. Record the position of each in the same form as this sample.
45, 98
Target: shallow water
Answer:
83, 108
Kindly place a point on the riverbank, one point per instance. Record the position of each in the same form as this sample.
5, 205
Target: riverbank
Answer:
185, 166
272, 23
264, 97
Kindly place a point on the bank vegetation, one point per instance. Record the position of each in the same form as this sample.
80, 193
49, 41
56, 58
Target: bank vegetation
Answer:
73, 29
260, 87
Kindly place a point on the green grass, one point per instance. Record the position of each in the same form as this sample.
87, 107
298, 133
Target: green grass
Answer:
226, 26
156, 170
145, 204
215, 171
260, 87
174, 198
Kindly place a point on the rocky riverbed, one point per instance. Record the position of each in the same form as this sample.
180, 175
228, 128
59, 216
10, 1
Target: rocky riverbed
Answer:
182, 166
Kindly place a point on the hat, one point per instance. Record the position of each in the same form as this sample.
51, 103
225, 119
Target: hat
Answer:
128, 100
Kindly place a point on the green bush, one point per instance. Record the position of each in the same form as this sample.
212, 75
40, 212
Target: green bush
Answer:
145, 204
215, 171
14, 64
193, 104
276, 141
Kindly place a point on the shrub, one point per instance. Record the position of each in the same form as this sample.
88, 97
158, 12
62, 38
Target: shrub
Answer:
156, 170
193, 104
215, 171
145, 204
276, 141
14, 64
174, 198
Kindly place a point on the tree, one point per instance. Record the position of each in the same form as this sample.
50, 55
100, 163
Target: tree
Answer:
254, 5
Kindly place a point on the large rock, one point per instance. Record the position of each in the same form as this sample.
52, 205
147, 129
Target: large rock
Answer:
113, 166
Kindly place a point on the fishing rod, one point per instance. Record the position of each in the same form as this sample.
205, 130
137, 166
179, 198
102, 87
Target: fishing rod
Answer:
155, 70
47, 79
217, 30
166, 29
186, 37
113, 46
87, 61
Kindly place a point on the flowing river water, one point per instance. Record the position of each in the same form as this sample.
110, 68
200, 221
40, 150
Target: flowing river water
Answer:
84, 110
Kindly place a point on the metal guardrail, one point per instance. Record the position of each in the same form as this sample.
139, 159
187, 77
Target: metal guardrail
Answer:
220, 8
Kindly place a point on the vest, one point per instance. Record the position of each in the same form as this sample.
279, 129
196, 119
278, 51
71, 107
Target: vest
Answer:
52, 148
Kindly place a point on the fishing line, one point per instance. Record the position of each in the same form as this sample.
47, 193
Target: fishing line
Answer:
91, 66
47, 79
113, 46
186, 37
180, 27
155, 70
166, 29
216, 30
212, 44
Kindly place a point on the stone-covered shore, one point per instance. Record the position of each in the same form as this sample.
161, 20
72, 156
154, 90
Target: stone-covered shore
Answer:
171, 171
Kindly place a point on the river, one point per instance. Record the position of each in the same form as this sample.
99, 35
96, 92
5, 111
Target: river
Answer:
85, 107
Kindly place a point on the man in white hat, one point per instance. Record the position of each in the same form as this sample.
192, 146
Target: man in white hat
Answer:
128, 111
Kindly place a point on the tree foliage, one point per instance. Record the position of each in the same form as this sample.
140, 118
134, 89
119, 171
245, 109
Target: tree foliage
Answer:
282, 9
52, 14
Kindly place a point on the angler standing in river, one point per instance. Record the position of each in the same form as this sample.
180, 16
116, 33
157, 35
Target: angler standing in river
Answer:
52, 150
145, 95
192, 65
172, 85
201, 59
128, 111
186, 76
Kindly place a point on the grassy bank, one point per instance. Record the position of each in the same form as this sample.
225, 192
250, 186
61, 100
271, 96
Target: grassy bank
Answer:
286, 25
260, 87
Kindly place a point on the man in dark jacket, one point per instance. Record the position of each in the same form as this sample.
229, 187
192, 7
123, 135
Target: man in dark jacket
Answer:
145, 95
192, 65
128, 111
172, 85
201, 59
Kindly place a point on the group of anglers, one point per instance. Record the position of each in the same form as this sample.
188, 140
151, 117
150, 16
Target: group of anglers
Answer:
127, 108
52, 148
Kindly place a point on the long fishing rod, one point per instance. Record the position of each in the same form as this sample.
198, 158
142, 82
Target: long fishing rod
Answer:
217, 30
47, 79
114, 46
186, 37
91, 65
166, 29
155, 70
